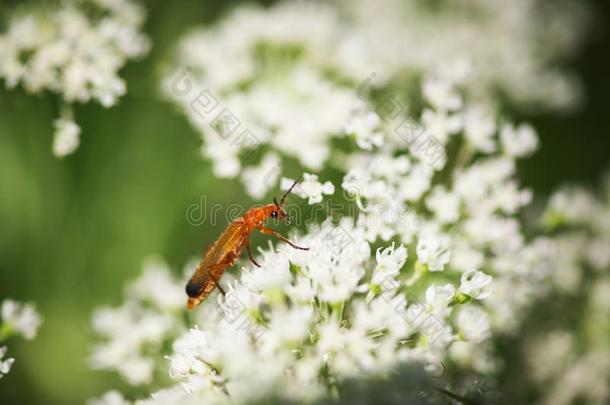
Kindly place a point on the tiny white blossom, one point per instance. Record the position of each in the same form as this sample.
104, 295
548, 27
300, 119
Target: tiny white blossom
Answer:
5, 365
520, 141
260, 179
441, 94
66, 138
440, 125
365, 127
111, 397
434, 251
479, 128
309, 188
21, 318
157, 286
473, 323
438, 298
444, 204
476, 284
389, 263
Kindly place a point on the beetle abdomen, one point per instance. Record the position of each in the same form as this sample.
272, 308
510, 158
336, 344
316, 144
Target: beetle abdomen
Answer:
194, 287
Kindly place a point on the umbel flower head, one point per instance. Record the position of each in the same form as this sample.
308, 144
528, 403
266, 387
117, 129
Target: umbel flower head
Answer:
433, 262
307, 319
300, 73
74, 49
569, 361
16, 319
391, 285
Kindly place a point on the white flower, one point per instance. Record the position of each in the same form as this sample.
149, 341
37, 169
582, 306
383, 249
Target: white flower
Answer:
438, 298
157, 286
66, 138
441, 94
131, 333
260, 179
479, 128
440, 125
444, 204
21, 318
111, 397
473, 323
309, 188
519, 141
434, 251
390, 260
365, 127
389, 263
476, 284
416, 183
72, 49
5, 365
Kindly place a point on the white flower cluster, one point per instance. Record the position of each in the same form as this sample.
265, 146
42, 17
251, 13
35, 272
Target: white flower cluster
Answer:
309, 187
292, 76
436, 259
133, 334
264, 69
16, 319
21, 319
445, 184
572, 361
307, 319
502, 40
5, 365
74, 49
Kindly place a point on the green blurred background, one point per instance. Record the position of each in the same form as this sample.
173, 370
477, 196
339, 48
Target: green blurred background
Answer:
73, 231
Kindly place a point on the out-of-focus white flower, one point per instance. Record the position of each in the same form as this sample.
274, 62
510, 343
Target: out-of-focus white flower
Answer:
441, 125
572, 364
473, 323
434, 251
392, 37
548, 353
476, 284
130, 334
519, 141
21, 318
309, 188
111, 397
75, 50
260, 179
389, 262
441, 94
573, 205
157, 286
66, 138
479, 128
274, 336
438, 298
365, 127
444, 204
5, 365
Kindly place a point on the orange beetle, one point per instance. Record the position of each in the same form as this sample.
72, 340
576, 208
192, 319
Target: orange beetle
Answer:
223, 253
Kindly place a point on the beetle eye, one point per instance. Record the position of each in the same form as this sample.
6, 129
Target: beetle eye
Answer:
274, 214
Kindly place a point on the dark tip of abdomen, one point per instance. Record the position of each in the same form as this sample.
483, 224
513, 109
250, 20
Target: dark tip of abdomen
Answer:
193, 289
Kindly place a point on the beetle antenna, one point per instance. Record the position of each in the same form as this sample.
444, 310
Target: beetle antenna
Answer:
275, 201
288, 191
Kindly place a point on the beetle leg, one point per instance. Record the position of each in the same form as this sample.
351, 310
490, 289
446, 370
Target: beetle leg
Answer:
247, 242
273, 232
222, 291
219, 267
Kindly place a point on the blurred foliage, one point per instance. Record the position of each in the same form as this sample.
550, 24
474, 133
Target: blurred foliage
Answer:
73, 231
